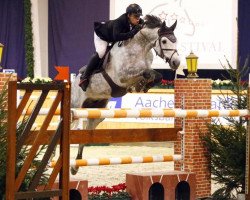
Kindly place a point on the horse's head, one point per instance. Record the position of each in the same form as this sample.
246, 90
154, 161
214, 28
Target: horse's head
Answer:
162, 39
165, 46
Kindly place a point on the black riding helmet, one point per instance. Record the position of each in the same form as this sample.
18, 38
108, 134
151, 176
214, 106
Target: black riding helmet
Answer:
134, 9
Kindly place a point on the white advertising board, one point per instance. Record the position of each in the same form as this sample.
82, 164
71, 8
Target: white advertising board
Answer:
154, 101
207, 27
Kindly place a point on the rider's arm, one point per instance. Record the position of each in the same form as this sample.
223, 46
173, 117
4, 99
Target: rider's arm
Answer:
119, 36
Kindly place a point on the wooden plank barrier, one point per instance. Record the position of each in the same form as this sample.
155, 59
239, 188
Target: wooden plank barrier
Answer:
99, 136
63, 136
60, 135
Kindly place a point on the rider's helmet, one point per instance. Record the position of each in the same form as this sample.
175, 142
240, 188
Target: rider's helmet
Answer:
134, 9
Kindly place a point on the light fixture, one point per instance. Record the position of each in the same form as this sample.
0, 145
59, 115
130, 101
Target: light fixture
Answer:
1, 52
191, 60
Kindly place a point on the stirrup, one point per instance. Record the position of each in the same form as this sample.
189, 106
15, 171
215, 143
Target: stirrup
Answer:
82, 81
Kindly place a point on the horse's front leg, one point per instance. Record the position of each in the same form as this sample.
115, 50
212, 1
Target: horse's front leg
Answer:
148, 80
91, 125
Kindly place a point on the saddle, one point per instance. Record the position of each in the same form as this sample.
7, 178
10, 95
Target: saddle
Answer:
116, 90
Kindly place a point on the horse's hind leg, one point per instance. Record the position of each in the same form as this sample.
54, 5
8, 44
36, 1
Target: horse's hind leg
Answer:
91, 125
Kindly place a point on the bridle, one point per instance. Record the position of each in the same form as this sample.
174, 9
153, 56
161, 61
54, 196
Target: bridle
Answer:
169, 35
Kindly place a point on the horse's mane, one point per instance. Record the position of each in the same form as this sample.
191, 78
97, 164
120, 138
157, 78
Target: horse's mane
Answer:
152, 21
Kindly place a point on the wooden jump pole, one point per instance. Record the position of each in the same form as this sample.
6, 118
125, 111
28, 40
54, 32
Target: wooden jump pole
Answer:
121, 160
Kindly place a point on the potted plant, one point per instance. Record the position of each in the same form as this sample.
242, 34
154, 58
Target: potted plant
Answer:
227, 144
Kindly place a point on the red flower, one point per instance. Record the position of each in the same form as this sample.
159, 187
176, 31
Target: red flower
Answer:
115, 188
164, 82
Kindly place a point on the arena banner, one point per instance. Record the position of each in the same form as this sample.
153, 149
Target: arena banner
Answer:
157, 101
207, 27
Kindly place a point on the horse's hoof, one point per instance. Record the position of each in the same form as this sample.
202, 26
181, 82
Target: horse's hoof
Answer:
74, 170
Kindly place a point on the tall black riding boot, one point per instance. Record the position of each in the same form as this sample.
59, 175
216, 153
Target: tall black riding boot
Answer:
93, 64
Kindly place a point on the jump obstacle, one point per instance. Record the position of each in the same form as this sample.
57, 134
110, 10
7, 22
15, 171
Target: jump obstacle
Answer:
94, 113
126, 113
121, 160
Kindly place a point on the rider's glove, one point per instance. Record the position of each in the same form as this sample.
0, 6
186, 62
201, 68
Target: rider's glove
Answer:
138, 27
135, 30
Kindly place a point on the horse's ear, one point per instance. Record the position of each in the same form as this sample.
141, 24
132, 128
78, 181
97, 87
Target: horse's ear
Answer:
163, 24
173, 26
163, 27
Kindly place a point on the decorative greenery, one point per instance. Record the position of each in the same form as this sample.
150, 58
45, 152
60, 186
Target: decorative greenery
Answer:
29, 49
3, 139
21, 156
37, 80
216, 84
225, 84
227, 144
115, 192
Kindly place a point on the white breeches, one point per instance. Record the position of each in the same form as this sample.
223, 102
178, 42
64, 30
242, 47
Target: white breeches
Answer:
100, 45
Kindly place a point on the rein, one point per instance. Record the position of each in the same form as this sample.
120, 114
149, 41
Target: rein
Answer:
154, 44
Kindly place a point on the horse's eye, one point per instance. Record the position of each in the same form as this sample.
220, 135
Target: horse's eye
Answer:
164, 41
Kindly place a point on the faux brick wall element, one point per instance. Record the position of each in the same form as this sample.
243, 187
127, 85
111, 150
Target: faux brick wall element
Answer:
194, 94
5, 77
139, 184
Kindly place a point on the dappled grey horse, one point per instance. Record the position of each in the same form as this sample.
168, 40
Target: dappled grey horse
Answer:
127, 69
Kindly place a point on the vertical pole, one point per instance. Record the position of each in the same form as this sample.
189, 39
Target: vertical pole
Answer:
11, 141
182, 134
247, 181
64, 146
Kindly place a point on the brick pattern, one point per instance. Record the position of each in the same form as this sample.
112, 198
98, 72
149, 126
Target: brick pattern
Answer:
197, 95
5, 77
139, 184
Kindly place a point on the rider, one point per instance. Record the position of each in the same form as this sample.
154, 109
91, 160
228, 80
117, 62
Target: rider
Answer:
122, 28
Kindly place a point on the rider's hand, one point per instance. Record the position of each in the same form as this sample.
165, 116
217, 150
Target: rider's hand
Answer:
135, 30
138, 27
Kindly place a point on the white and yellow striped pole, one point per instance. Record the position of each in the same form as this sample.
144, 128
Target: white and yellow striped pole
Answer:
121, 160
143, 113
96, 113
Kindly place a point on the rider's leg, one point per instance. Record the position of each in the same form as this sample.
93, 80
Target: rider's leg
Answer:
94, 62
